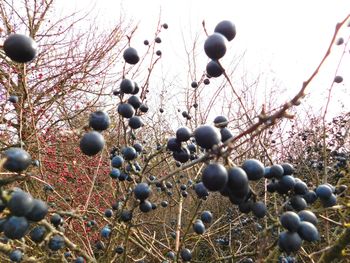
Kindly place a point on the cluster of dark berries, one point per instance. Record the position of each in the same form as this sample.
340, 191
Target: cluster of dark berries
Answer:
93, 142
301, 226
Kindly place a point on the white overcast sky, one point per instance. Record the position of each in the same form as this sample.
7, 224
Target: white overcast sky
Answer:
287, 38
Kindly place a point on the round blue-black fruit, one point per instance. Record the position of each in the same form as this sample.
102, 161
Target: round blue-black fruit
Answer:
38, 212
214, 69
290, 220
254, 169
37, 234
215, 46
17, 160
20, 203
129, 153
198, 227
307, 231
56, 242
214, 177
142, 191
289, 241
226, 28
186, 254
16, 227
206, 217
16, 255
130, 56
92, 143
207, 136
99, 120
126, 110
20, 48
